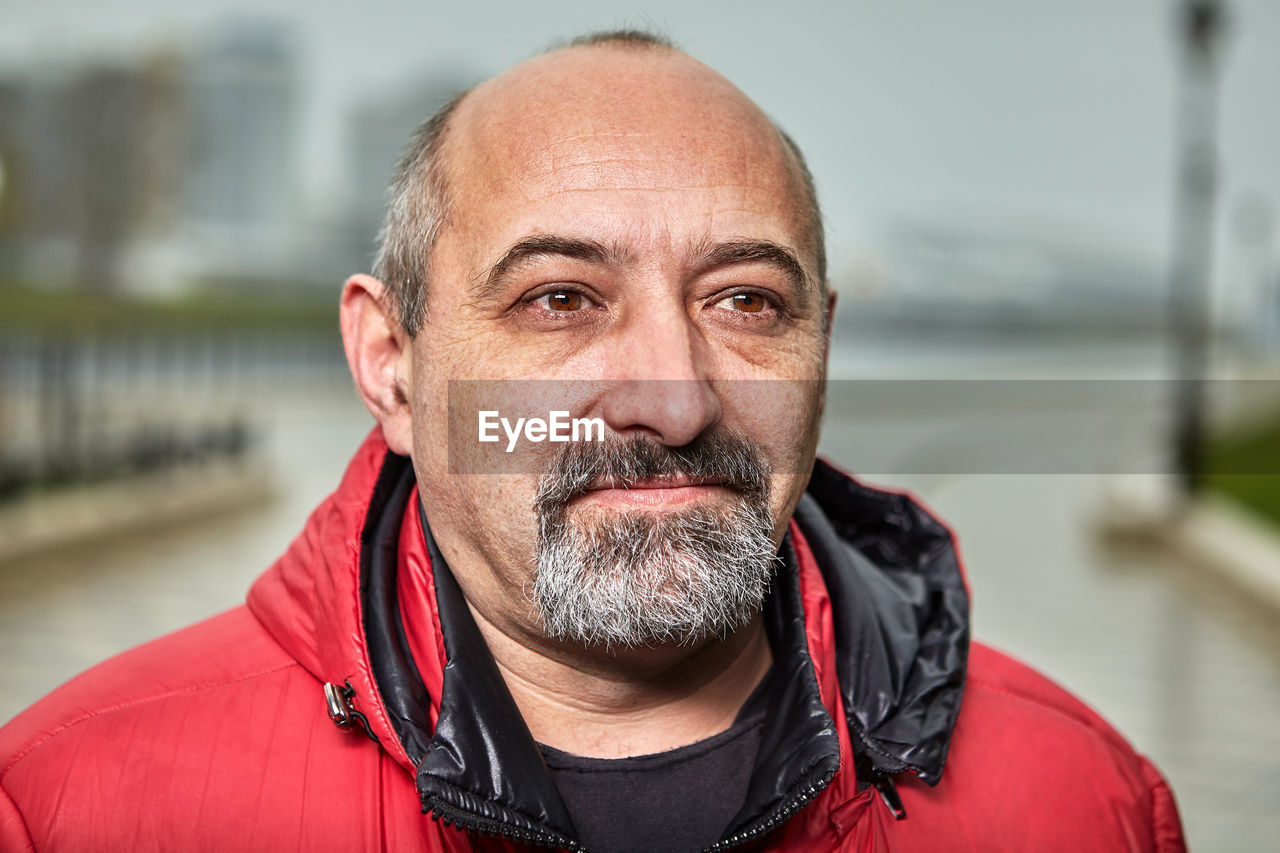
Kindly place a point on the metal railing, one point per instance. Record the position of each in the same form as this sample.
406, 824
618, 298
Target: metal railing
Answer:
80, 409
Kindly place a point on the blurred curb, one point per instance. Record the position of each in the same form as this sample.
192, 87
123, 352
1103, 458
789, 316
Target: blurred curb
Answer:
90, 514
1211, 532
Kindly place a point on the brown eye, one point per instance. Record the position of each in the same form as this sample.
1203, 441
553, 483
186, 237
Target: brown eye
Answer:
750, 303
563, 300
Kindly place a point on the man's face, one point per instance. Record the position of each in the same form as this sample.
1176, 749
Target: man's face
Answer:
627, 224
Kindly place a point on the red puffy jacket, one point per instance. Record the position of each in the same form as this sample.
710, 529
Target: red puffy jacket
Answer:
220, 737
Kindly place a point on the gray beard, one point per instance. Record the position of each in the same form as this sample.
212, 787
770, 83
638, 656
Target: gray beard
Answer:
642, 578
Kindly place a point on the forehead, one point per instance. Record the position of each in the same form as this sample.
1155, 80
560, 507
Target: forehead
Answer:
645, 140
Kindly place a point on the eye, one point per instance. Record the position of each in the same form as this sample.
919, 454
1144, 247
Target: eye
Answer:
746, 303
562, 301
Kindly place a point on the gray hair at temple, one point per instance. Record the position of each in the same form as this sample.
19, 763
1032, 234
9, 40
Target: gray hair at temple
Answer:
418, 198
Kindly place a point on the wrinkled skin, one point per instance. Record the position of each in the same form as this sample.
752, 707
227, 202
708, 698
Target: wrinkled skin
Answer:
661, 168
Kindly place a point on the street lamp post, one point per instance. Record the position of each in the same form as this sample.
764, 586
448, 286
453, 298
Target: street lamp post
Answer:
1200, 30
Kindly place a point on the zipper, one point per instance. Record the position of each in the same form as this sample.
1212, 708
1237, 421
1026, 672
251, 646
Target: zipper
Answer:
340, 701
442, 811
340, 704
776, 818
878, 762
889, 794
880, 773
439, 810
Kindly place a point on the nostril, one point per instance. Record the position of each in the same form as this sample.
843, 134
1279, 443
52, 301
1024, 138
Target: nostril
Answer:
674, 412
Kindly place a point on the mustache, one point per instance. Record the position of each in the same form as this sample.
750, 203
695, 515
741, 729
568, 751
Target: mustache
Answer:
723, 457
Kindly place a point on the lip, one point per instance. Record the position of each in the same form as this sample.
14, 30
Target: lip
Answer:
654, 493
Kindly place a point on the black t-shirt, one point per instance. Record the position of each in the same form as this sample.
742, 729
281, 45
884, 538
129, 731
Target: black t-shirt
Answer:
675, 801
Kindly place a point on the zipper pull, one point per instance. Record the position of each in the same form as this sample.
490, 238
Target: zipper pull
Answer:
889, 793
338, 700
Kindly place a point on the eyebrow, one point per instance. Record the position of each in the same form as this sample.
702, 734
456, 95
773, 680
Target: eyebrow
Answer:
543, 246
722, 254
781, 258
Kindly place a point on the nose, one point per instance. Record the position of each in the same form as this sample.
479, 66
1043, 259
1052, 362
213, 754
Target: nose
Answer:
659, 383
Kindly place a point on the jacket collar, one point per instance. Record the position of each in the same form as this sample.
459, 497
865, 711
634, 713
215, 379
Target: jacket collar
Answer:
309, 600
901, 623
898, 640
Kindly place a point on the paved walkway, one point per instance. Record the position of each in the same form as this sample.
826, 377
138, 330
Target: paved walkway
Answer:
1187, 670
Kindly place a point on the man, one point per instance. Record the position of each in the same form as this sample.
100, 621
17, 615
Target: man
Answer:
684, 636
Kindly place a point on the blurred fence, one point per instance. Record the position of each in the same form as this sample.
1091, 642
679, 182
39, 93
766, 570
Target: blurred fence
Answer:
84, 408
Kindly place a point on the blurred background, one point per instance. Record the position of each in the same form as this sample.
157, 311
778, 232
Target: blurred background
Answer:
1052, 227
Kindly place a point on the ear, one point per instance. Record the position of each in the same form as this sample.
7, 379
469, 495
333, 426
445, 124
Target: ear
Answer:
828, 328
380, 355
829, 325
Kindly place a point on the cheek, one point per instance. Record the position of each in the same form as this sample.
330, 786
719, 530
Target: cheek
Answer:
485, 527
481, 517
779, 415
797, 354
787, 489
781, 418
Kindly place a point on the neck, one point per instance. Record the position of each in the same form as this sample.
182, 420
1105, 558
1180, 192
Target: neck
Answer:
615, 704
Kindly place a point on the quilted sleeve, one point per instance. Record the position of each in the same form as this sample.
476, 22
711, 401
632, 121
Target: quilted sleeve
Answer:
14, 837
1166, 825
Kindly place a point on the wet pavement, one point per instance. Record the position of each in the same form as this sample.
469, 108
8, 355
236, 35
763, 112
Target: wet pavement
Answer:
1186, 669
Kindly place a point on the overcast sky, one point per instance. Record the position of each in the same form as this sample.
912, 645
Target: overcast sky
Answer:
1003, 114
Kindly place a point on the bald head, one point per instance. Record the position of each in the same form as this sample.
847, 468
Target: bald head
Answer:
622, 108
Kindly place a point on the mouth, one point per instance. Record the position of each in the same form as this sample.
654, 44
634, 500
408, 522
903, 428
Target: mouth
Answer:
654, 492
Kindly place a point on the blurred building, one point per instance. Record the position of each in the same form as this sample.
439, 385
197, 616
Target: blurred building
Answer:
92, 161
242, 86
241, 206
1251, 301
378, 133
154, 172
183, 165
